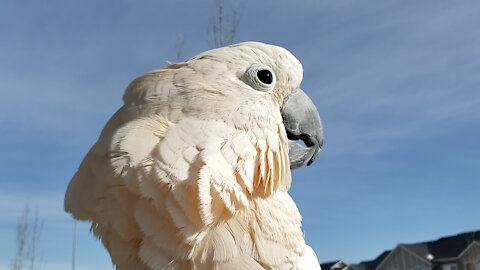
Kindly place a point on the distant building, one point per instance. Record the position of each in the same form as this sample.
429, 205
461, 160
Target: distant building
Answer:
459, 252
336, 265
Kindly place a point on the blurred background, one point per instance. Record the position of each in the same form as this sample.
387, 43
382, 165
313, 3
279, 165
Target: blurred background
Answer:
396, 83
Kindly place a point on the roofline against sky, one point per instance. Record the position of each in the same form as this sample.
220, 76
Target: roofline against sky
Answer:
415, 254
340, 261
404, 248
461, 254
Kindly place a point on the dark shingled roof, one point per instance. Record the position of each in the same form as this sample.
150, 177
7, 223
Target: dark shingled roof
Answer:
328, 265
445, 247
371, 265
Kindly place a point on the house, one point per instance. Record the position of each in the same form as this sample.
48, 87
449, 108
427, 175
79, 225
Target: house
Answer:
335, 265
459, 252
342, 265
371, 265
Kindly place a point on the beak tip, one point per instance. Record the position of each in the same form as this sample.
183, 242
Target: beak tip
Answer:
315, 154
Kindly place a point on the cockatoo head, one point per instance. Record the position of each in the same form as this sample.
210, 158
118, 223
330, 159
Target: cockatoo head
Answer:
250, 85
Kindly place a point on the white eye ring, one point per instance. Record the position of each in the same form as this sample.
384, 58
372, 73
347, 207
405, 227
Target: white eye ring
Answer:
251, 78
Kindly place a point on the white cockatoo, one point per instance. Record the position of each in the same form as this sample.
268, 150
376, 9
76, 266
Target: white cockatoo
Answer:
193, 171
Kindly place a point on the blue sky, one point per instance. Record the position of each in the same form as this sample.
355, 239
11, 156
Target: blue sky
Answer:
396, 82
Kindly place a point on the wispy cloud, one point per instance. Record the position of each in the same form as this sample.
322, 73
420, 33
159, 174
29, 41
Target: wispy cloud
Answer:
408, 84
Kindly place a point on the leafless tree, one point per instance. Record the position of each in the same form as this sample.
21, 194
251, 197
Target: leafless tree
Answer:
28, 236
179, 46
224, 27
220, 33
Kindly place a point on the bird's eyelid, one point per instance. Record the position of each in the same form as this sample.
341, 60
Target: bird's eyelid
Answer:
250, 77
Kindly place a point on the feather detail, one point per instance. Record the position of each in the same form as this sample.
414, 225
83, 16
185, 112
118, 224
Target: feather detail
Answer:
218, 246
126, 142
152, 256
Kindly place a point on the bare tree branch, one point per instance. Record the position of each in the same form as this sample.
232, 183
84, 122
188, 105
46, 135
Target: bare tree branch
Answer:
28, 236
37, 226
179, 47
223, 27
233, 25
221, 32
22, 232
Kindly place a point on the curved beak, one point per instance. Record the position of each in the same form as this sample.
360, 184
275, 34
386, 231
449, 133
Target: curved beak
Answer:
302, 122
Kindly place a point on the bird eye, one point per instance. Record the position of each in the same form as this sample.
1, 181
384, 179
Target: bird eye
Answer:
260, 77
265, 76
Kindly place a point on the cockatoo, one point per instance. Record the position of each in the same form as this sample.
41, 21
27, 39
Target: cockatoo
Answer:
193, 171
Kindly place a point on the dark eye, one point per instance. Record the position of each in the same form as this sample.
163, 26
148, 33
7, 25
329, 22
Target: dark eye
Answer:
260, 77
265, 76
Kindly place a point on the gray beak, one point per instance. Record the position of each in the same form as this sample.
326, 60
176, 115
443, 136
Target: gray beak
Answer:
302, 122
